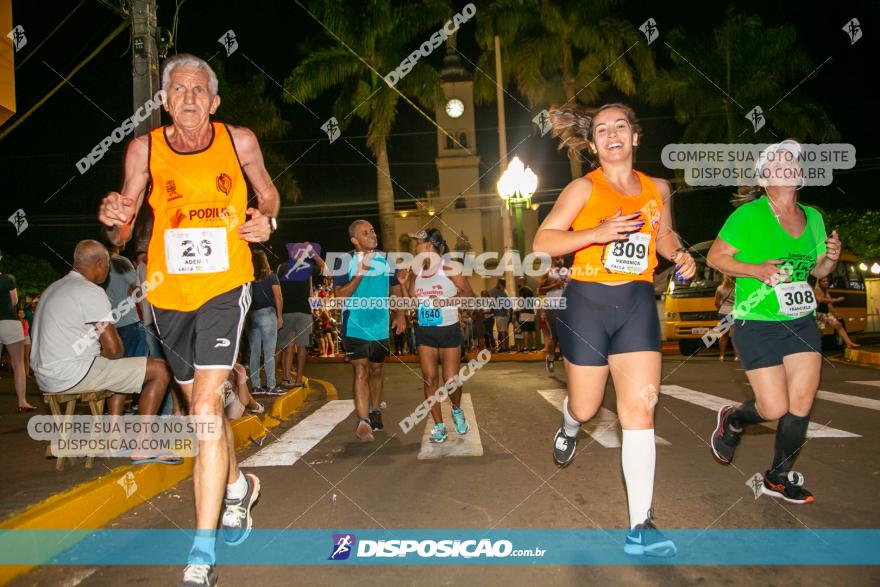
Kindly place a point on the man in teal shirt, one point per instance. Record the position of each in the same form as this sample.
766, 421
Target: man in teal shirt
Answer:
365, 285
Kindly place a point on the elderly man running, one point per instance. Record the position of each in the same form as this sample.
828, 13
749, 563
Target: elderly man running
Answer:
193, 174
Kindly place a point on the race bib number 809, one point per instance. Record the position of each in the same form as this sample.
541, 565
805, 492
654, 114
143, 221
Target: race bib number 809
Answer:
630, 256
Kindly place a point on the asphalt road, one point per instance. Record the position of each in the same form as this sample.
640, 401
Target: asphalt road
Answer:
343, 484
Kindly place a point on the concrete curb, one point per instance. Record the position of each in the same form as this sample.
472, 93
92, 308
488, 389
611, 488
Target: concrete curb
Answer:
128, 486
863, 357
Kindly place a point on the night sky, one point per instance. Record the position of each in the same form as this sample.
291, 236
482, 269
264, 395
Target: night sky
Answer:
37, 160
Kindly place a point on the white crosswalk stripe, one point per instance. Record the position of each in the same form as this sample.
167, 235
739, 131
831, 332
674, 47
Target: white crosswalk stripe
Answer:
714, 403
296, 442
465, 445
604, 427
849, 400
871, 383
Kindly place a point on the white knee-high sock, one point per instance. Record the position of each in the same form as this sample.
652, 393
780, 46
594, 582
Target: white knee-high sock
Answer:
639, 456
570, 425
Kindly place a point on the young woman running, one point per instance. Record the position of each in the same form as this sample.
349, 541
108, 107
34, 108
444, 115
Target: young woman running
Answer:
438, 335
772, 245
616, 220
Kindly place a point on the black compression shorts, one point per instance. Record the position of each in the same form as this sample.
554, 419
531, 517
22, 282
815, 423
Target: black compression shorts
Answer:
761, 343
602, 320
206, 338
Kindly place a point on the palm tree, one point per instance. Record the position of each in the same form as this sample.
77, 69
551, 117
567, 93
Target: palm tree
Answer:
379, 34
560, 52
749, 65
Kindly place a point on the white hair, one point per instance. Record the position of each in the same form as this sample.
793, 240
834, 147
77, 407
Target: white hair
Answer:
188, 60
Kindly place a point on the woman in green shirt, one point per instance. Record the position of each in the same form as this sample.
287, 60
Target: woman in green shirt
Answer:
771, 245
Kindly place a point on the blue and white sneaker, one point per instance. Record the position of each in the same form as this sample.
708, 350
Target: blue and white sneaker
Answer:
237, 521
438, 433
461, 425
646, 540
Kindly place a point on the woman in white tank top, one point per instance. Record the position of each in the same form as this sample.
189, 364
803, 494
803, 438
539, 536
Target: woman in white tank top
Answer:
438, 334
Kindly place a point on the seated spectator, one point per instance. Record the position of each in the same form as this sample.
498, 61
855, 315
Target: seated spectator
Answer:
122, 281
237, 397
75, 346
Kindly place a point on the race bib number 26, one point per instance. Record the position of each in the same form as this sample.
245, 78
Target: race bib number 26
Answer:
629, 256
196, 250
796, 299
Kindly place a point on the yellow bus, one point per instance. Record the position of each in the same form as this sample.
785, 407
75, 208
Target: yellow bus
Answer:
689, 307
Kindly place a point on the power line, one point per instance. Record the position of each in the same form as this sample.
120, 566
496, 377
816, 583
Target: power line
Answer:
122, 26
55, 30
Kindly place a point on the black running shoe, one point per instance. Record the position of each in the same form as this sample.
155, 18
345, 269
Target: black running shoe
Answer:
789, 487
725, 437
237, 521
646, 540
563, 447
376, 420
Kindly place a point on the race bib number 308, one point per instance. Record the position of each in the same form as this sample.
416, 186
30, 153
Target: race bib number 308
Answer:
796, 299
629, 256
196, 250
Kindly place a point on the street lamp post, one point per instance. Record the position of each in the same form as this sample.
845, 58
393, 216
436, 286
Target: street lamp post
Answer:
516, 186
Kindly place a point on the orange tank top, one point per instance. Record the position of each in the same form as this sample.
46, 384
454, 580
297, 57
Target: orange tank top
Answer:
632, 260
199, 201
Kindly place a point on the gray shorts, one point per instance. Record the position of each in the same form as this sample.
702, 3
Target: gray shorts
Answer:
296, 327
117, 375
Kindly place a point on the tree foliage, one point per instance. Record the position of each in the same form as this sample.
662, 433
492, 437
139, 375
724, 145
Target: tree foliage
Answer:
245, 103
32, 275
716, 79
859, 230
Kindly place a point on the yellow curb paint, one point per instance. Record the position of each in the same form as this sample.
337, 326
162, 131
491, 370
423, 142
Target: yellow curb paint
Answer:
110, 496
284, 406
329, 388
864, 357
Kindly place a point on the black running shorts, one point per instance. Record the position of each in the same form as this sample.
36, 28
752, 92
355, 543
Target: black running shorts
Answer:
374, 351
439, 337
764, 343
206, 338
602, 320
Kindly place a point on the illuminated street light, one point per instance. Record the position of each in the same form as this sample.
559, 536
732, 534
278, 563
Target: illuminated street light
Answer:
516, 186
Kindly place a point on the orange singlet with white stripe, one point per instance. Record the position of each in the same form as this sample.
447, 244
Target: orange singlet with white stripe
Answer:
630, 260
199, 201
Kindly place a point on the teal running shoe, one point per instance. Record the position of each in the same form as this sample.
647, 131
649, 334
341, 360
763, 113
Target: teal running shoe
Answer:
438, 433
461, 425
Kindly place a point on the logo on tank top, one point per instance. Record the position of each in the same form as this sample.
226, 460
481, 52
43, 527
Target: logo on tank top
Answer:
651, 211
224, 183
177, 219
171, 190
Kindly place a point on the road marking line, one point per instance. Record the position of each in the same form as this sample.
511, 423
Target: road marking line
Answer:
871, 383
714, 403
467, 445
296, 442
604, 427
849, 400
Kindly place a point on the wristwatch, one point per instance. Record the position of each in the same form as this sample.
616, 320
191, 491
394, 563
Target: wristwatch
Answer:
273, 223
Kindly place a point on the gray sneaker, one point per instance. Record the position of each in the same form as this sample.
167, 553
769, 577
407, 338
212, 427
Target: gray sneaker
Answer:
277, 390
237, 521
198, 575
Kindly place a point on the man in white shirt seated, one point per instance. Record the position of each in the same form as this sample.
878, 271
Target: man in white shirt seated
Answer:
75, 346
